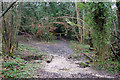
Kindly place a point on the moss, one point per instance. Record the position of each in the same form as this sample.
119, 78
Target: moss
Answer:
88, 62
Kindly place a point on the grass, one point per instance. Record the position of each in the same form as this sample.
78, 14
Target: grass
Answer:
109, 65
80, 48
21, 68
17, 68
25, 47
13, 68
80, 51
22, 49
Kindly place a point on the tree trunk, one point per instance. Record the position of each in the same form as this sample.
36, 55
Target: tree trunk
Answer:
0, 18
100, 31
9, 23
78, 21
83, 16
118, 14
7, 31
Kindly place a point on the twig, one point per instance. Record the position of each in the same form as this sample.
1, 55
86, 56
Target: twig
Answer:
113, 51
116, 37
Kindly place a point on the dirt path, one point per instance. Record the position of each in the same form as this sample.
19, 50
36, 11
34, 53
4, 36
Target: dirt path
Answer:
61, 66
56, 48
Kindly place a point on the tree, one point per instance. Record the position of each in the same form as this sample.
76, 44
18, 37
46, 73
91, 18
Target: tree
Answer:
0, 18
118, 14
100, 28
78, 21
10, 22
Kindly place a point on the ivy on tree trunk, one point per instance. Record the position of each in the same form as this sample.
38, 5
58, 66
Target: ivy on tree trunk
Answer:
118, 14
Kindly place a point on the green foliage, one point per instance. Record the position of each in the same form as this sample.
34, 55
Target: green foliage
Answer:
84, 64
81, 48
46, 35
118, 5
37, 18
109, 65
100, 23
43, 15
18, 68
25, 47
10, 64
81, 6
12, 69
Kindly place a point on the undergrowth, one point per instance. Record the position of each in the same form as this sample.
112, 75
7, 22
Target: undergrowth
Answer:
17, 67
109, 65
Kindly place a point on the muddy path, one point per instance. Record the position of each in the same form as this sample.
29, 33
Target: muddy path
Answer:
61, 66
60, 48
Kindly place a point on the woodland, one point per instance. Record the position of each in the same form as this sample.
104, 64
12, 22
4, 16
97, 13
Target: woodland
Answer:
60, 39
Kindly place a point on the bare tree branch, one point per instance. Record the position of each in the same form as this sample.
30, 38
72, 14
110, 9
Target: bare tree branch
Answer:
8, 9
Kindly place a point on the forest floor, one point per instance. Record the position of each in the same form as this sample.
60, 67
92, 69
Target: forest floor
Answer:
65, 62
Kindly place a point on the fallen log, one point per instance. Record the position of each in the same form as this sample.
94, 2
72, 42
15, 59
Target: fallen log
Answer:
49, 59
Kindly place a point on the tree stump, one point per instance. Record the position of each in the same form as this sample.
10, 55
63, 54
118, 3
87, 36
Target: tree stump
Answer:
49, 59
